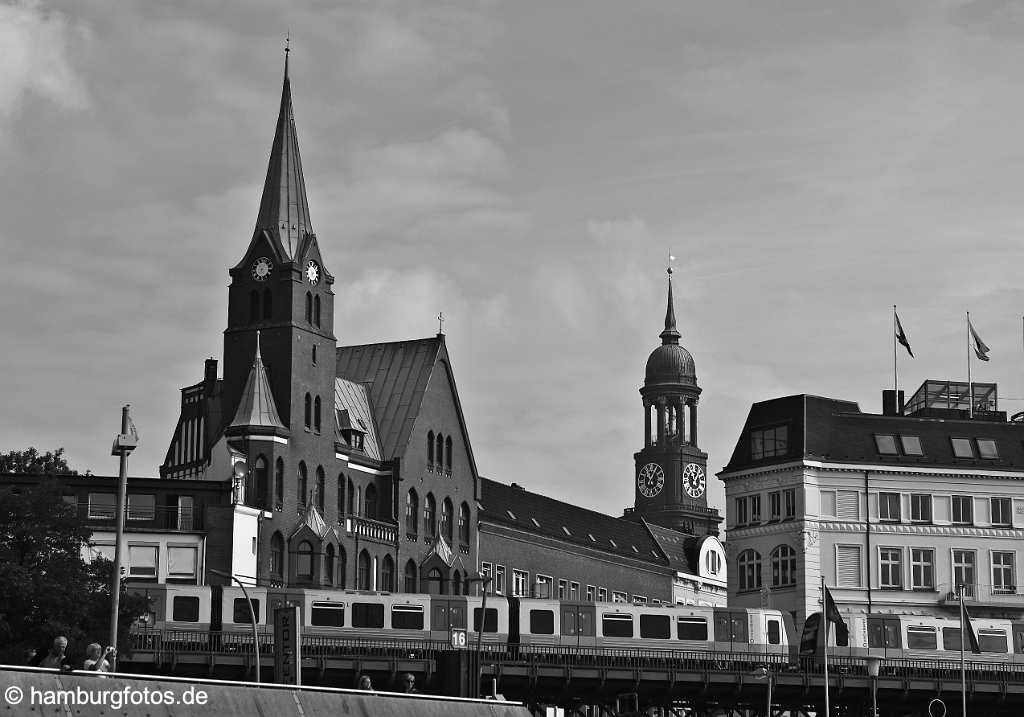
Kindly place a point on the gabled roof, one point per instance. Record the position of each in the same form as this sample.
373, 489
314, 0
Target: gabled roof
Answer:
313, 520
352, 399
395, 375
515, 507
257, 409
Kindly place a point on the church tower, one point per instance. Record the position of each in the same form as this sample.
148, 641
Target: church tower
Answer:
671, 469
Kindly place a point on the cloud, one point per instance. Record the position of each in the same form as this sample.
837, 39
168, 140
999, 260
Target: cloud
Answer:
36, 45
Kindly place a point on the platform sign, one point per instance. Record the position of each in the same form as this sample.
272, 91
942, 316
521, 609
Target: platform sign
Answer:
459, 639
287, 645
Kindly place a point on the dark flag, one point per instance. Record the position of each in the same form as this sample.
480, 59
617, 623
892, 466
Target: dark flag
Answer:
901, 336
832, 615
980, 349
971, 635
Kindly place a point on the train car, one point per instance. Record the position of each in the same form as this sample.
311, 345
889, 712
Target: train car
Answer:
179, 617
496, 623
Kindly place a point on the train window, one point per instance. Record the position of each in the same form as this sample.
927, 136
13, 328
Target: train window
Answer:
490, 620
617, 625
327, 614
992, 640
921, 637
951, 639
774, 634
185, 608
241, 611
691, 628
542, 622
407, 617
657, 627
367, 614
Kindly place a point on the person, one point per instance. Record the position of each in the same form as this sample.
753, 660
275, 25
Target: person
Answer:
365, 683
97, 661
409, 683
56, 657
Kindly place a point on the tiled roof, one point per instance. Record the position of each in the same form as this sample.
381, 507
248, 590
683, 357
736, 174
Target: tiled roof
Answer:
538, 514
256, 407
313, 520
836, 430
396, 375
682, 550
353, 398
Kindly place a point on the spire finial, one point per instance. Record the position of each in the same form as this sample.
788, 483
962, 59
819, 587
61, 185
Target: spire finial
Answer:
258, 357
287, 50
440, 324
670, 335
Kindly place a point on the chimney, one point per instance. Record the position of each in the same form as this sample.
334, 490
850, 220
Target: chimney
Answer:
892, 402
210, 371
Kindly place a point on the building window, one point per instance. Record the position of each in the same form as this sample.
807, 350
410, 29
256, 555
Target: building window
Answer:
304, 561
341, 496
439, 451
254, 305
277, 554
848, 505
962, 448
574, 591
387, 574
749, 566
755, 509
321, 488
430, 450
789, 499
464, 524
963, 571
261, 499
329, 564
278, 484
316, 414
591, 593
520, 583
364, 573
911, 445
268, 304
1000, 512
889, 507
302, 484
922, 568
309, 308
769, 443
987, 448
308, 411
1003, 581
499, 579
142, 561
783, 566
602, 594
827, 503
141, 507
848, 570
102, 505
412, 512
182, 564
890, 564
920, 508
775, 506
963, 509
712, 562
886, 444
741, 511
430, 516
621, 597
448, 455
316, 310
563, 589
446, 520
411, 585
370, 502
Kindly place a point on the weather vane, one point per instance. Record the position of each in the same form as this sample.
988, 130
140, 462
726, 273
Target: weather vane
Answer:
440, 323
670, 260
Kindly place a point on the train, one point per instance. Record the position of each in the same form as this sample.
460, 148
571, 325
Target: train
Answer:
190, 617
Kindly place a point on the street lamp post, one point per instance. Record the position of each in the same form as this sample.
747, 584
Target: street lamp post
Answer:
124, 443
252, 615
484, 581
873, 664
762, 673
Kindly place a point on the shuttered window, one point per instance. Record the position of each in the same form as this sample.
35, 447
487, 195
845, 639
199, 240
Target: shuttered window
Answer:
847, 505
848, 566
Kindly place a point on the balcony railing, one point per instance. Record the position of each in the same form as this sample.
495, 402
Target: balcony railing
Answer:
372, 530
974, 592
157, 518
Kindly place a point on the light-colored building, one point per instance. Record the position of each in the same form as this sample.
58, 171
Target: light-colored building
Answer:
893, 509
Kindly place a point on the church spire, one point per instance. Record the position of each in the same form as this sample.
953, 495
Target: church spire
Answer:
670, 335
257, 408
284, 211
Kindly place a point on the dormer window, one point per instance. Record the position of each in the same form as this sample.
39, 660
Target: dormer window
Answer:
353, 429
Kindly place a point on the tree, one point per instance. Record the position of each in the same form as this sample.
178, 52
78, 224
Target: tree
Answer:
48, 588
33, 462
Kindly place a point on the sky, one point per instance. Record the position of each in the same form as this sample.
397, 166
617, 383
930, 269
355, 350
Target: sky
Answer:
526, 168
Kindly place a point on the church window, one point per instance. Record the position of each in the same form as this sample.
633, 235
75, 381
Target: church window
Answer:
309, 308
304, 561
412, 511
316, 310
254, 305
277, 554
308, 406
329, 564
260, 474
321, 488
342, 567
316, 414
448, 455
278, 484
430, 516
464, 524
411, 583
387, 574
341, 495
364, 571
370, 509
439, 450
358, 505
749, 568
446, 520
352, 505
457, 583
314, 354
430, 450
302, 485
268, 304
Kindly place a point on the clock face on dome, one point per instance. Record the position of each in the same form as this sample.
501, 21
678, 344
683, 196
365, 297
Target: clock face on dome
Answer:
650, 480
261, 268
312, 272
693, 480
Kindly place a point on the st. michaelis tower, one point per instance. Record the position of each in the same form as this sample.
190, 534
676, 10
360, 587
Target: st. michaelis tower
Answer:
671, 469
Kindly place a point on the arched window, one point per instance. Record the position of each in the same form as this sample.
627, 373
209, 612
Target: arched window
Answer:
308, 405
254, 305
314, 354
268, 304
439, 450
321, 488
316, 310
303, 485
353, 507
446, 520
783, 566
304, 561
370, 502
464, 524
363, 577
278, 484
430, 516
457, 583
411, 583
448, 454
435, 582
412, 512
277, 554
341, 495
387, 574
329, 564
316, 414
309, 308
260, 489
342, 567
430, 450
749, 567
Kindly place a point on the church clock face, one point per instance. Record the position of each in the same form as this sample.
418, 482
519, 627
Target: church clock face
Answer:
693, 480
312, 272
261, 268
650, 480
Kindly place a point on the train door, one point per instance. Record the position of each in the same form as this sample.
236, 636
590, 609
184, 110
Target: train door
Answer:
731, 634
774, 634
883, 634
446, 615
577, 625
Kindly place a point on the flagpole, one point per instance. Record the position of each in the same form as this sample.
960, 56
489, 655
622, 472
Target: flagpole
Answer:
895, 376
828, 624
970, 385
963, 671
